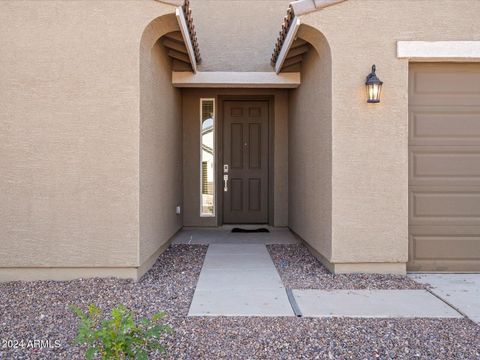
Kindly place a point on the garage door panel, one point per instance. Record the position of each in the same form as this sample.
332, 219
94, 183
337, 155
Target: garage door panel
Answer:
440, 165
437, 205
444, 265
444, 84
446, 247
443, 247
443, 125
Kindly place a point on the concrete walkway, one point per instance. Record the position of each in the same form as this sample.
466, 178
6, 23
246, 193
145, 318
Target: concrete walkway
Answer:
462, 291
239, 280
372, 304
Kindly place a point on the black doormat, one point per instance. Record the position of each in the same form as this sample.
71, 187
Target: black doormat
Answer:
241, 230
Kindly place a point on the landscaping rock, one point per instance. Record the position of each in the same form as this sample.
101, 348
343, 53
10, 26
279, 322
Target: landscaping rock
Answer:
40, 310
299, 269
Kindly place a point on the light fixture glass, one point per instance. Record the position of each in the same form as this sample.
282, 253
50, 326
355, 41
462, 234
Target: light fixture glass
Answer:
374, 87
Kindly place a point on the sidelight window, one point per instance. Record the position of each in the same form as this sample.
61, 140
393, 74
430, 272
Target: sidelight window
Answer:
207, 157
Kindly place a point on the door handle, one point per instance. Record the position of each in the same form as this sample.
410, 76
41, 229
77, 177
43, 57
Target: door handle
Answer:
225, 183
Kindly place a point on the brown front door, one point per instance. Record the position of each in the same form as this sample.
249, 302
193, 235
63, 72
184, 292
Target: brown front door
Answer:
245, 162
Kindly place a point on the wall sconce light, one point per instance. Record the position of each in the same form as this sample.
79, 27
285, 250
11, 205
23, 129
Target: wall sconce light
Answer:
374, 87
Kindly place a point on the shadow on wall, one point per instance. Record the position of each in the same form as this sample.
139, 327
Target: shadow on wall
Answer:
310, 147
160, 182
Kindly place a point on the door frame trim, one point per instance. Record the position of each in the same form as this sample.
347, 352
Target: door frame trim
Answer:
219, 156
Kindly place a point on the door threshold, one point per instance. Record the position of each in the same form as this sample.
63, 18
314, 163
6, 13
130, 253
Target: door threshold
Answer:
245, 226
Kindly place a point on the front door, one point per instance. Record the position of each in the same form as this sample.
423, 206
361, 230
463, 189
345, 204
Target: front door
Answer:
245, 162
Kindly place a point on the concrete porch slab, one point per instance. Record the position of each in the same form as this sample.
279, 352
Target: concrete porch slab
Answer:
460, 290
372, 304
223, 235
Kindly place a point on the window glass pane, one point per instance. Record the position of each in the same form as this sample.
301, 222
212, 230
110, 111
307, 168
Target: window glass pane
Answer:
207, 166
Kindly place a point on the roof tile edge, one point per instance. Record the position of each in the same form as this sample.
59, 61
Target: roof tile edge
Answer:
191, 29
187, 11
287, 23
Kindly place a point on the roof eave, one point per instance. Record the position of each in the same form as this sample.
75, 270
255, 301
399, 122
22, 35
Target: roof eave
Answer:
172, 2
290, 26
292, 32
186, 37
302, 7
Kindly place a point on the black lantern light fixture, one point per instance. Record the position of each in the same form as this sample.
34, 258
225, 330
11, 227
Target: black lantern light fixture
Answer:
374, 87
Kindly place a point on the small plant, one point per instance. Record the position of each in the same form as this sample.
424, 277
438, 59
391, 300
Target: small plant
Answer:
120, 336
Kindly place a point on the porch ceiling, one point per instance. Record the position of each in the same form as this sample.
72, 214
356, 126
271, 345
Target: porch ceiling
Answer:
235, 48
289, 51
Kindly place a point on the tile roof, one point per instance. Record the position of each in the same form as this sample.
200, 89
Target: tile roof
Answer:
286, 24
182, 45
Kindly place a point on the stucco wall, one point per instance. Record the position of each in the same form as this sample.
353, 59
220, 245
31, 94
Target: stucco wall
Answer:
310, 148
69, 132
79, 190
160, 148
237, 35
191, 151
370, 165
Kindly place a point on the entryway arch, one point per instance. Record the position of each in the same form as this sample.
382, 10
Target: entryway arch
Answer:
160, 143
310, 146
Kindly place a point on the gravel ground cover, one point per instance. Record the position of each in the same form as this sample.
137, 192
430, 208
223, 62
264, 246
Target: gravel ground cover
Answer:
340, 338
39, 310
299, 269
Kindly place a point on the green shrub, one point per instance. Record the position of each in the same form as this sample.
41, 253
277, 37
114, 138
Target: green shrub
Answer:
120, 336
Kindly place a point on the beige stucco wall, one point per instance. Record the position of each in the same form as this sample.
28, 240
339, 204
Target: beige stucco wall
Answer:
310, 148
160, 142
370, 165
81, 182
191, 151
69, 132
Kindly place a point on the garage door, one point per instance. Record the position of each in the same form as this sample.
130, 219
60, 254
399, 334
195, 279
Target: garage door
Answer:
444, 167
